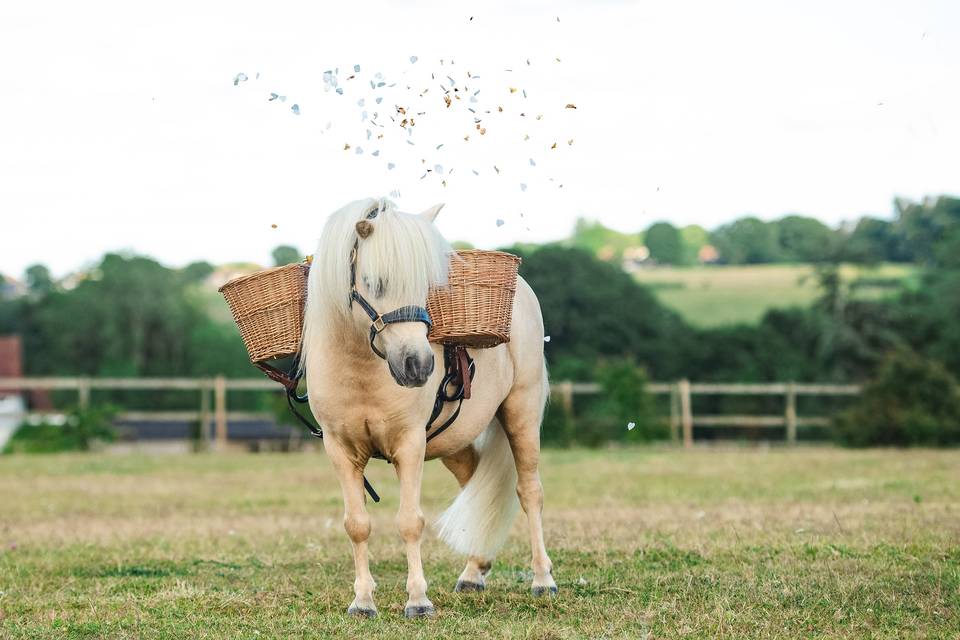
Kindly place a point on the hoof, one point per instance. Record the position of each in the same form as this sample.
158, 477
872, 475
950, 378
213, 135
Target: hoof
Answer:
464, 586
422, 611
544, 591
358, 612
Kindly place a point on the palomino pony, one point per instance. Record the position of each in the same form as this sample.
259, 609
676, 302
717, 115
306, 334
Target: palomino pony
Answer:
368, 404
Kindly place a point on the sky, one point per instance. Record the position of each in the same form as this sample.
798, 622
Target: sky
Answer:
122, 128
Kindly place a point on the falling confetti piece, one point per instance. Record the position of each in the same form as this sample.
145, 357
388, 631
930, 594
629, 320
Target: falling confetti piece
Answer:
340, 90
296, 109
475, 172
553, 146
570, 105
346, 146
495, 169
379, 99
240, 77
390, 165
273, 226
447, 100
410, 142
513, 90
360, 102
483, 131
532, 163
413, 59
356, 68
500, 222
570, 142
546, 338
523, 187
438, 168
376, 153
359, 150
631, 425
273, 96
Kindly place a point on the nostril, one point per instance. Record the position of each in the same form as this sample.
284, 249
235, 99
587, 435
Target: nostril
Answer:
411, 367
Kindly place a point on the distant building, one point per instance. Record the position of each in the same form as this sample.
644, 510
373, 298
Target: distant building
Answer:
708, 254
635, 259
11, 288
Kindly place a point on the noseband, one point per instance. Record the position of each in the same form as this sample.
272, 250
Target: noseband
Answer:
410, 313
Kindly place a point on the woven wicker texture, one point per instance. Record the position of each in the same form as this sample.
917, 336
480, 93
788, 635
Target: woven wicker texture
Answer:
268, 308
475, 308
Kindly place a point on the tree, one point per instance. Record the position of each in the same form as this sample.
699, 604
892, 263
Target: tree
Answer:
285, 254
196, 272
805, 239
39, 280
873, 241
593, 309
694, 238
747, 241
664, 242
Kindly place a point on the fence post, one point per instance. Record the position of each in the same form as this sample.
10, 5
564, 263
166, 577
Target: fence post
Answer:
220, 411
566, 400
674, 414
205, 413
686, 412
83, 393
790, 413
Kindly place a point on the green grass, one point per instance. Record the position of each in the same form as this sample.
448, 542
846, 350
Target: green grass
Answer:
717, 295
659, 543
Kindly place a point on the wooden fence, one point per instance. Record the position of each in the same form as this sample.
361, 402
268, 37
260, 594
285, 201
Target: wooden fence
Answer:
682, 418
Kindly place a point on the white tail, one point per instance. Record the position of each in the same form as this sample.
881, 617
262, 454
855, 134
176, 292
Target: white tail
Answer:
479, 520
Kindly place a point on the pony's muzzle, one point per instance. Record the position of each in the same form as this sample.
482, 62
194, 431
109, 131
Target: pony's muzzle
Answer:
412, 369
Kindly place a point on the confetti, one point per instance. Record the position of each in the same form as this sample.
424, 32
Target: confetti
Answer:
360, 102
475, 172
296, 109
496, 169
390, 165
410, 142
394, 194
513, 89
631, 425
553, 146
570, 105
340, 90
532, 163
273, 96
273, 226
359, 150
413, 59
570, 142
376, 153
379, 99
356, 68
438, 168
346, 146
500, 222
523, 187
240, 77
447, 100
546, 338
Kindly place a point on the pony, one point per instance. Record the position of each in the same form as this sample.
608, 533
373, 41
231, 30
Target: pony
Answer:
369, 405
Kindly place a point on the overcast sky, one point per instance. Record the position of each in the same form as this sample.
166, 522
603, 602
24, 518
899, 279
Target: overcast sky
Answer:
121, 126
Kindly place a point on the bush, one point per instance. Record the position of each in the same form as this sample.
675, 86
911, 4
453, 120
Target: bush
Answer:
79, 431
913, 401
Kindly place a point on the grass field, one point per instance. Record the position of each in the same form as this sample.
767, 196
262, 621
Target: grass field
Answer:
658, 543
711, 296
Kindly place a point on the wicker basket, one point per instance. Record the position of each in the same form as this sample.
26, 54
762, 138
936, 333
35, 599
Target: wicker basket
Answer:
474, 309
268, 309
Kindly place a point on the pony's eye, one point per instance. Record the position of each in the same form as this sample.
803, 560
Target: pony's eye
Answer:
376, 288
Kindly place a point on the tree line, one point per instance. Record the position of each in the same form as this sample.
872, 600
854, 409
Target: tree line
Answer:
909, 237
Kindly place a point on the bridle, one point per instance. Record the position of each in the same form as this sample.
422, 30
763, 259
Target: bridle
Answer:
409, 313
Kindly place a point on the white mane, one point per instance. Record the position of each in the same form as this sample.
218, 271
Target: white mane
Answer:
406, 251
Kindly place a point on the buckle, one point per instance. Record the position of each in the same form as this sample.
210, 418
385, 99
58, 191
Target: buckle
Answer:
379, 324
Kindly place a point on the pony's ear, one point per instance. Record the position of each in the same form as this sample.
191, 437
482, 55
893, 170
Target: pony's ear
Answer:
431, 213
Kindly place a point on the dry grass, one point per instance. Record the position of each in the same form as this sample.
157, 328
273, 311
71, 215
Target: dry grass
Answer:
646, 543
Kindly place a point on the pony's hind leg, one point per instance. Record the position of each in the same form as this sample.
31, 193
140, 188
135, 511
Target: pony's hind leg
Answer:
408, 462
521, 414
462, 465
357, 523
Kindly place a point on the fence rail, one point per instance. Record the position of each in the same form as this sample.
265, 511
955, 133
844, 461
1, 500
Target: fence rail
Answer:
681, 392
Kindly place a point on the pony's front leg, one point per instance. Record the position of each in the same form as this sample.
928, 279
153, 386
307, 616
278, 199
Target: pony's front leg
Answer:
356, 521
408, 461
